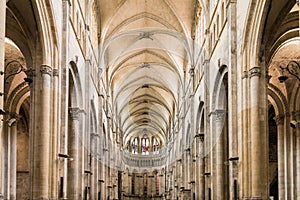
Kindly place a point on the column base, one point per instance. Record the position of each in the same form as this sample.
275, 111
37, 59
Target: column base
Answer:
255, 198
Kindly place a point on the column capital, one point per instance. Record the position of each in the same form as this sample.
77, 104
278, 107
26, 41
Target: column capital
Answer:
30, 73
279, 119
192, 71
45, 69
254, 71
244, 74
220, 115
55, 72
200, 136
74, 113
296, 114
95, 135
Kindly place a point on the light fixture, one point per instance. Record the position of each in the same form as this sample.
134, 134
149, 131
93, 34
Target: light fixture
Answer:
19, 69
293, 68
11, 121
62, 155
294, 123
2, 112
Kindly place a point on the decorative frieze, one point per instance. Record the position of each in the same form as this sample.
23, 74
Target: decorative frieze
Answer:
45, 69
255, 71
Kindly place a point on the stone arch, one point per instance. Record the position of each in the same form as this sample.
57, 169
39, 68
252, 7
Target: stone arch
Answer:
75, 86
219, 91
200, 118
278, 100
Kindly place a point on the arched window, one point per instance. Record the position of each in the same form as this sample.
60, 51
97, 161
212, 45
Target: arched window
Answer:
155, 146
145, 145
135, 146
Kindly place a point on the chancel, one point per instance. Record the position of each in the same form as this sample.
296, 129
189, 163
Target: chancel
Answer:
149, 99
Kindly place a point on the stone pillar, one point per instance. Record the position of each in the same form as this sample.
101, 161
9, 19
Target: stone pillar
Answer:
73, 150
54, 137
41, 146
232, 102
280, 151
13, 162
297, 115
64, 99
94, 165
246, 165
201, 171
219, 125
187, 168
2, 63
258, 154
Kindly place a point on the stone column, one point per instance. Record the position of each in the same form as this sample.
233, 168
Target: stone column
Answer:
219, 125
41, 148
297, 115
64, 90
201, 170
94, 165
73, 150
258, 154
280, 141
245, 189
187, 168
54, 137
13, 161
2, 63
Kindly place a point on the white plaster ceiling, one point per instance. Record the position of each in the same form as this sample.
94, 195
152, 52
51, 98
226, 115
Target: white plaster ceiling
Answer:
146, 49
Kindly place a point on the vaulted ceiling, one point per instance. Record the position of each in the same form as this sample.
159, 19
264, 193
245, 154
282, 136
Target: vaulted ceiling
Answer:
147, 48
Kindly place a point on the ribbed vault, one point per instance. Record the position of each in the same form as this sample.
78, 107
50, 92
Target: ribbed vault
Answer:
146, 50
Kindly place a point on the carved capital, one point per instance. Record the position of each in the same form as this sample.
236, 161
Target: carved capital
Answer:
200, 136
30, 73
220, 115
45, 69
95, 135
55, 72
279, 119
244, 74
192, 71
296, 115
74, 113
255, 71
